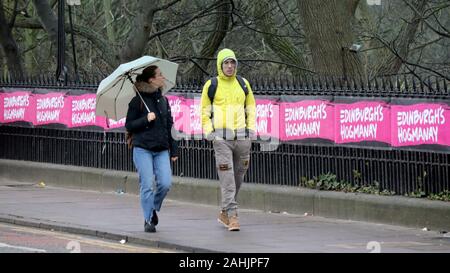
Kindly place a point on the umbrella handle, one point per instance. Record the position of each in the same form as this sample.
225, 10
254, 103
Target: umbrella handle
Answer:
142, 99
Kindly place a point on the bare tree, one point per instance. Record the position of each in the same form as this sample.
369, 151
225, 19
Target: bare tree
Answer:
214, 40
303, 36
398, 49
48, 19
109, 19
329, 35
281, 46
9, 45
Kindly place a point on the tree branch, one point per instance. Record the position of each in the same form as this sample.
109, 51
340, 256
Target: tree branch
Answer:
166, 6
426, 21
102, 45
242, 61
410, 63
187, 22
14, 15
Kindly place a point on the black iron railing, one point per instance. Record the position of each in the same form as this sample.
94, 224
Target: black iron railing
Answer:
394, 87
394, 170
399, 170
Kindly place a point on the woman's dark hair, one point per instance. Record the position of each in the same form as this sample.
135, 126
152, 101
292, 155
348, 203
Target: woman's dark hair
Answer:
147, 73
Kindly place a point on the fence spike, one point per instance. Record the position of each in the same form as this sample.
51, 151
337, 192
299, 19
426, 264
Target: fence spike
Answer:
438, 87
430, 85
414, 85
391, 85
406, 83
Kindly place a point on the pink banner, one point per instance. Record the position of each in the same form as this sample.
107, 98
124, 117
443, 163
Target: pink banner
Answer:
420, 124
362, 121
109, 124
306, 119
82, 111
398, 125
267, 118
2, 112
192, 122
50, 108
179, 110
17, 106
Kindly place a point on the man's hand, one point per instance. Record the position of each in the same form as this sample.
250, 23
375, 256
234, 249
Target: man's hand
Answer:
250, 134
211, 136
174, 158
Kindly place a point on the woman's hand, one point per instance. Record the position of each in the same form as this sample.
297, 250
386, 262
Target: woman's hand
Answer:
174, 158
151, 116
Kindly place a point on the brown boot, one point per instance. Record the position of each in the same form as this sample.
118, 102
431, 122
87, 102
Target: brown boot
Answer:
223, 218
234, 223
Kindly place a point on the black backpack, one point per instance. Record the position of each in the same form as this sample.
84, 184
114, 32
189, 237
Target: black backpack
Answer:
129, 135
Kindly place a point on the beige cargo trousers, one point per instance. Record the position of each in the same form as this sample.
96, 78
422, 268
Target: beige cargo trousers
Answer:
232, 162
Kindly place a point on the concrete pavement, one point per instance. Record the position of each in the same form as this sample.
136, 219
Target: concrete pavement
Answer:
393, 210
193, 227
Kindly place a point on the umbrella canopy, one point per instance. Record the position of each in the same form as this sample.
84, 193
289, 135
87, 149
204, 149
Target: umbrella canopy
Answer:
116, 91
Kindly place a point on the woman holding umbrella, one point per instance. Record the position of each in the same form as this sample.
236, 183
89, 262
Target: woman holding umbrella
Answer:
149, 119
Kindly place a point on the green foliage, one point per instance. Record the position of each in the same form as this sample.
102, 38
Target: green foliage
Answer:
356, 175
419, 192
442, 196
329, 182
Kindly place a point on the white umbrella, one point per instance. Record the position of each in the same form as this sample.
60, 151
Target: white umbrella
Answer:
116, 91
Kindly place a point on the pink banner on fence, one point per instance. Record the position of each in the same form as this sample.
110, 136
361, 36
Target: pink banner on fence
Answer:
1, 108
192, 117
17, 106
51, 108
422, 123
109, 124
179, 111
82, 111
306, 119
267, 118
362, 121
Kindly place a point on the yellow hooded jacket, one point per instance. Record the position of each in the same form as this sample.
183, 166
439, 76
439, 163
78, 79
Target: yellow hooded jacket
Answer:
229, 101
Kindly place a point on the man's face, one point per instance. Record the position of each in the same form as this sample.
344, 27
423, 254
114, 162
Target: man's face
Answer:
229, 67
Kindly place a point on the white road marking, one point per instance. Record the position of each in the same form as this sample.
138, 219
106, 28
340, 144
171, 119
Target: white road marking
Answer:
23, 248
83, 240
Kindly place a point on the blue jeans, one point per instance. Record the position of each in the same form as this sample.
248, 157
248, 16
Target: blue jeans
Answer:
149, 164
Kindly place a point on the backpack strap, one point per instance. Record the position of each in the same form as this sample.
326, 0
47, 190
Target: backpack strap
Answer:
244, 87
212, 89
243, 84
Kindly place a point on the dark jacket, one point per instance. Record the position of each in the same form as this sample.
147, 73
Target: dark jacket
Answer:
156, 135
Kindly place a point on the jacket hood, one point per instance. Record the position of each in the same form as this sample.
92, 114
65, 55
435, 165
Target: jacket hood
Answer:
145, 87
221, 56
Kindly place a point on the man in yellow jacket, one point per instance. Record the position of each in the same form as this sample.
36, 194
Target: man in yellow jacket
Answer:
228, 119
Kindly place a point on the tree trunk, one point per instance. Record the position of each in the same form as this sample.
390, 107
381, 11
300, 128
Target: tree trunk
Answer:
214, 40
49, 22
329, 34
48, 19
109, 20
9, 47
141, 27
281, 46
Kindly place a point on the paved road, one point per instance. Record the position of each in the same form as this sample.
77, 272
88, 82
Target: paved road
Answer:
193, 227
19, 239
